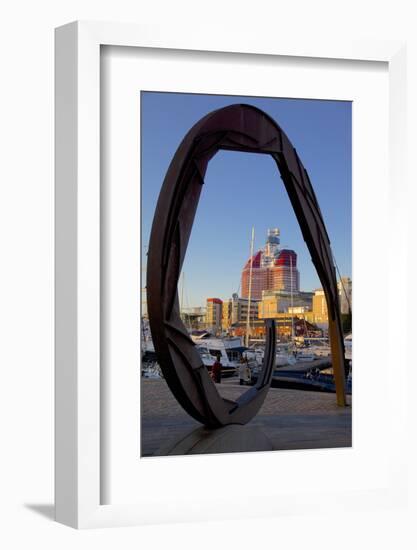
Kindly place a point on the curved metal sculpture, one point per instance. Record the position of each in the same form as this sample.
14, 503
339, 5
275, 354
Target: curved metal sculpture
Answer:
245, 128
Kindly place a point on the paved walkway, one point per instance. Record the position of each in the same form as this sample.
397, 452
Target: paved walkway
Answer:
291, 419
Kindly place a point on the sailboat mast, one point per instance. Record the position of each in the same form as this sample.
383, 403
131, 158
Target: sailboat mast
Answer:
250, 287
292, 302
182, 297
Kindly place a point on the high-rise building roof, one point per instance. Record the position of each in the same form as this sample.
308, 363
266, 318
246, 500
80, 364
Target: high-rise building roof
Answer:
256, 261
286, 257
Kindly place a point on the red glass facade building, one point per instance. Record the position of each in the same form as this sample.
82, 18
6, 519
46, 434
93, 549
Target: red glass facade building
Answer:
273, 268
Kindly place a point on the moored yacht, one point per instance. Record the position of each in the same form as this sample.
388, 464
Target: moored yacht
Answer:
229, 350
283, 356
348, 347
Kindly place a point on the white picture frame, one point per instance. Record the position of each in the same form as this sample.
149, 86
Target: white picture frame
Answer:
78, 264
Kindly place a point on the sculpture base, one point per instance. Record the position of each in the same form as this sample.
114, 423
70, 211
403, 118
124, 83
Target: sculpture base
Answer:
229, 439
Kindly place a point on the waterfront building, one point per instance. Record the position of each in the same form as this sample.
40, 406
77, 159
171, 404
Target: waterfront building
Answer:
298, 310
226, 315
284, 274
214, 314
273, 268
281, 301
235, 312
320, 308
194, 318
299, 321
344, 286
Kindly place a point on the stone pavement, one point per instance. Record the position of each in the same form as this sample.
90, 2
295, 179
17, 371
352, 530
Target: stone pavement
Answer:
291, 419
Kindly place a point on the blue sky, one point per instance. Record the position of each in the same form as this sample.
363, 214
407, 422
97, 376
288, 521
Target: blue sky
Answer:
242, 190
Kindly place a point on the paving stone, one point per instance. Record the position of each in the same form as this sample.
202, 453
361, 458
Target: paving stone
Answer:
291, 419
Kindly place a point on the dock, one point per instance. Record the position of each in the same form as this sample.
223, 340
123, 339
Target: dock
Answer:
304, 366
290, 419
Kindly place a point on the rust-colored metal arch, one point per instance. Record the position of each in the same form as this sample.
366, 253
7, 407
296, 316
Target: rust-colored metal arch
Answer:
245, 128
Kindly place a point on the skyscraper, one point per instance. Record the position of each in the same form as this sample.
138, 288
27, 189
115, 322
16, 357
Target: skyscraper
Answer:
284, 272
273, 268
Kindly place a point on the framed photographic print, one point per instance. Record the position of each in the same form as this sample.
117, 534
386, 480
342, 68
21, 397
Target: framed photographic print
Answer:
213, 200
276, 284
